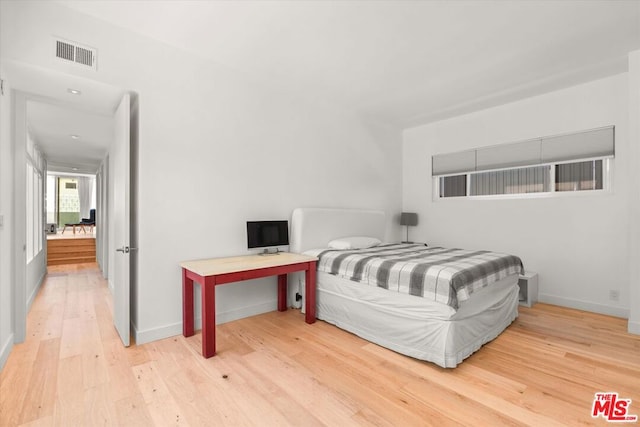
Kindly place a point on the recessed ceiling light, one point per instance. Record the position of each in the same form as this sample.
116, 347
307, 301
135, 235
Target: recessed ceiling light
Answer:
74, 91
75, 137
75, 169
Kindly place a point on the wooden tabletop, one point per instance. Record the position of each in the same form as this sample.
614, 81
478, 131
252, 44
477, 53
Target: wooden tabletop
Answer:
214, 266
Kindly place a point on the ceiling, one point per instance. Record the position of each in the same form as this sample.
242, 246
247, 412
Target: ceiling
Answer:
400, 62
74, 141
403, 63
54, 114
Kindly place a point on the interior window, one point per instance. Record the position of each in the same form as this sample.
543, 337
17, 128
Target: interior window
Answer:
579, 176
453, 186
511, 181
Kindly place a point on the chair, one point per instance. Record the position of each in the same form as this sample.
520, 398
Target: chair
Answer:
91, 221
85, 222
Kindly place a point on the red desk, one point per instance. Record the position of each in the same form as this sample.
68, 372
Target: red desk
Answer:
218, 271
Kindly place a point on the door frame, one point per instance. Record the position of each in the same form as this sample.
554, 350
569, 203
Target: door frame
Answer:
19, 143
18, 135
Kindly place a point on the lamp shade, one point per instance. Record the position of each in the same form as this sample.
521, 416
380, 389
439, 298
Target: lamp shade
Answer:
409, 218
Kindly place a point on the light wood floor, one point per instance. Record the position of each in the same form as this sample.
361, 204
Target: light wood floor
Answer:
274, 369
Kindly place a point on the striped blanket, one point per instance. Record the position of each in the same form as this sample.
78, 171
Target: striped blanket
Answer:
448, 276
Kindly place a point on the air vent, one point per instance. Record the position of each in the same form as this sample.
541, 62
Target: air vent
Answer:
76, 53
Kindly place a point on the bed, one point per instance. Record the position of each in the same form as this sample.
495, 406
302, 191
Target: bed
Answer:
443, 327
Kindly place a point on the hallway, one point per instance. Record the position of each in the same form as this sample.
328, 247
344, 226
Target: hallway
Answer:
67, 372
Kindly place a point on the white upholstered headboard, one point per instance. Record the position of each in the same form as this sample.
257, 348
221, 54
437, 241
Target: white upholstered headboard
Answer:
315, 227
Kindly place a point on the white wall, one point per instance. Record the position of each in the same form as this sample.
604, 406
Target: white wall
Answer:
228, 150
634, 194
216, 148
6, 229
578, 245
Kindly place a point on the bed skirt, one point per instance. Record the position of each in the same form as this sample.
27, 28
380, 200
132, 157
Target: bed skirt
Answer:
412, 328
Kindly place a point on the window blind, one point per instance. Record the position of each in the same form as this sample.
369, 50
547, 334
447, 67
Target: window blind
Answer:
523, 153
580, 145
445, 164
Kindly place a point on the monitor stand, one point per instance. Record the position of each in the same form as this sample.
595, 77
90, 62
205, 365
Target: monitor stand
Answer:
267, 252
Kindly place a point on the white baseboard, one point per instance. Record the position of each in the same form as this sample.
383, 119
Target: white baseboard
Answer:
5, 350
610, 310
162, 332
633, 327
149, 335
33, 295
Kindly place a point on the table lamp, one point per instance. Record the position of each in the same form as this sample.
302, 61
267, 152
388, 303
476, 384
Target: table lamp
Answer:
408, 219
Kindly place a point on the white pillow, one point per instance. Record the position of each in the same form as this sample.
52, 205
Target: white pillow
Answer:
354, 242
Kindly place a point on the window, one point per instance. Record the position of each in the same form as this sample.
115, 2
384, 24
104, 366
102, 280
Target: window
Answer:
31, 213
453, 186
511, 181
34, 219
558, 164
580, 176
34, 196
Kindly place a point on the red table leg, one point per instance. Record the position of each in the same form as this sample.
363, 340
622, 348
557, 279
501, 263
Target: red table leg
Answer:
282, 292
209, 316
310, 292
187, 305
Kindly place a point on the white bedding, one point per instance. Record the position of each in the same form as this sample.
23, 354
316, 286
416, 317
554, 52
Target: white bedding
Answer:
444, 275
408, 324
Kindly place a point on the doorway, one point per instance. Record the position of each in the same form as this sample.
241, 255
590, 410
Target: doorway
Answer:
70, 202
54, 142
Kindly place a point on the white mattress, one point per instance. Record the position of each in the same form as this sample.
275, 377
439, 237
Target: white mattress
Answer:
414, 326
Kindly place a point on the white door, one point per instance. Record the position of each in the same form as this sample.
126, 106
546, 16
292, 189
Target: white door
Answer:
121, 220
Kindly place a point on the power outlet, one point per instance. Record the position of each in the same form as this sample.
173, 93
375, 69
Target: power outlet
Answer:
614, 295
